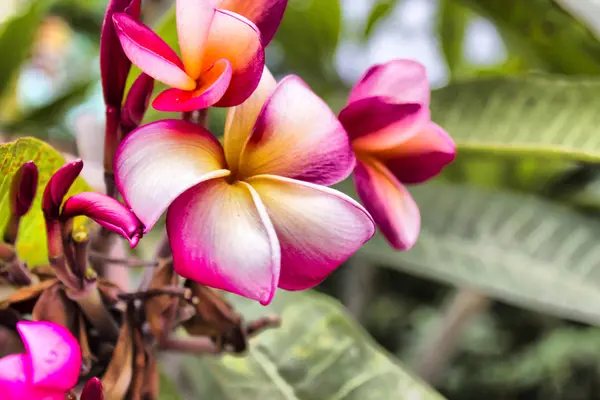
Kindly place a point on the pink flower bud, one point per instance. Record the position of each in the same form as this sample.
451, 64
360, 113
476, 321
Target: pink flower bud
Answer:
49, 368
137, 102
107, 212
58, 186
23, 189
114, 65
93, 390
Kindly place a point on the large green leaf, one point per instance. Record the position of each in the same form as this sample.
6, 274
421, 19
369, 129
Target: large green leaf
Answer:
544, 33
518, 248
16, 38
539, 115
318, 353
31, 245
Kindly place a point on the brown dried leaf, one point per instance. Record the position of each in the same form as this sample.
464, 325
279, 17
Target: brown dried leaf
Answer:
53, 305
160, 308
23, 300
10, 342
87, 357
119, 373
137, 382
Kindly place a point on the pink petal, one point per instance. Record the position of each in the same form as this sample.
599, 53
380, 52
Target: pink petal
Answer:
421, 157
318, 228
194, 18
241, 119
298, 136
105, 211
58, 186
150, 53
266, 14
236, 39
159, 161
404, 81
92, 390
211, 87
54, 353
15, 381
375, 124
390, 204
221, 236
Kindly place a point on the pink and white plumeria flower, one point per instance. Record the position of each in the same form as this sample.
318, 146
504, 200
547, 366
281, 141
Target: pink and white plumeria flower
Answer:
252, 216
222, 51
387, 118
48, 370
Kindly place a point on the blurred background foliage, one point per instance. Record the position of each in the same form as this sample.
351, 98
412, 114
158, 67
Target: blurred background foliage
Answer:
500, 298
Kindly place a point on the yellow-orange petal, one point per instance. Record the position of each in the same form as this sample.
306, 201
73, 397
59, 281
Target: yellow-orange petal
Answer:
194, 18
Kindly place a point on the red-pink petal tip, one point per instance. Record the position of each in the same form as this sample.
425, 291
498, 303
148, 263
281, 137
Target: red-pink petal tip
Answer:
58, 186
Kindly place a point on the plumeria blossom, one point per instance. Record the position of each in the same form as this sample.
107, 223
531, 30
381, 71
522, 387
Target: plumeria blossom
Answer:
252, 216
387, 118
48, 370
222, 51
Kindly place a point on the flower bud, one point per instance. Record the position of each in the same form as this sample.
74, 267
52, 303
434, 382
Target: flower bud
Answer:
23, 189
137, 102
93, 390
58, 186
107, 212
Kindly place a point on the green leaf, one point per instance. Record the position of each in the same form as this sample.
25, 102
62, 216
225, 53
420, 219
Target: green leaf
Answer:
16, 39
544, 33
518, 248
451, 26
380, 10
31, 244
318, 353
543, 116
37, 121
168, 389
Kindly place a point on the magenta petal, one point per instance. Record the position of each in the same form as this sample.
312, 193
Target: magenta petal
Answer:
137, 102
404, 81
23, 188
150, 53
58, 186
92, 390
213, 85
297, 136
157, 162
390, 204
221, 236
107, 212
318, 228
54, 353
14, 376
422, 157
375, 124
266, 14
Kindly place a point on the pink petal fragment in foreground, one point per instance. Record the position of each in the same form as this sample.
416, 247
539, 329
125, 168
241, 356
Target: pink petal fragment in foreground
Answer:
404, 81
390, 204
211, 87
222, 237
318, 228
236, 39
150, 53
159, 161
374, 124
54, 353
266, 14
421, 157
105, 211
194, 18
241, 119
14, 372
298, 136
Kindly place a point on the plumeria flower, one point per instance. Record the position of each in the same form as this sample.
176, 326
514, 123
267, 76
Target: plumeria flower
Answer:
254, 215
48, 370
388, 121
222, 51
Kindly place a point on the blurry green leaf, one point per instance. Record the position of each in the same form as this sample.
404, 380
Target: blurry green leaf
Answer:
168, 389
379, 12
308, 39
518, 248
39, 120
452, 25
31, 244
542, 116
318, 353
16, 38
544, 33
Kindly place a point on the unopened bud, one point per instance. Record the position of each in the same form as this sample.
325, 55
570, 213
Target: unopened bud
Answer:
137, 102
93, 390
23, 189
